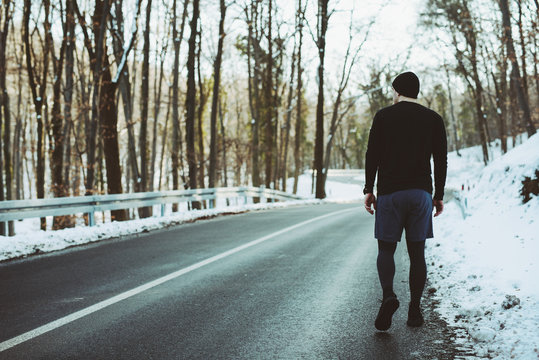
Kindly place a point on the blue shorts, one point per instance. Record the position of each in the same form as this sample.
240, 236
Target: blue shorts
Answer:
408, 209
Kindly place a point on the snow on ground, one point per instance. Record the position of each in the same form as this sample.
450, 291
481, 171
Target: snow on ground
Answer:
336, 191
30, 240
485, 267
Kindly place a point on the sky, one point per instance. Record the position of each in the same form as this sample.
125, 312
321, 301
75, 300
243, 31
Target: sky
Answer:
392, 34
394, 37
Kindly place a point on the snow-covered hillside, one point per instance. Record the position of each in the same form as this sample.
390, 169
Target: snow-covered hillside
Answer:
485, 267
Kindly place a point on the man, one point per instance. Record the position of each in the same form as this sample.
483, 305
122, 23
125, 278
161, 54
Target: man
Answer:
402, 139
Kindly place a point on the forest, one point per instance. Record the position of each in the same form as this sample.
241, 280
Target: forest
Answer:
119, 96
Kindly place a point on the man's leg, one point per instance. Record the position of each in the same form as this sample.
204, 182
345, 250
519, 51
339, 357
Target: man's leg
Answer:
386, 266
417, 279
386, 271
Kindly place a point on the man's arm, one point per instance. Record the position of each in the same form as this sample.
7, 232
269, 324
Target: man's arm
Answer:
372, 157
440, 159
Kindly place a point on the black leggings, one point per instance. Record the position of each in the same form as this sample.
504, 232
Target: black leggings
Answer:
418, 268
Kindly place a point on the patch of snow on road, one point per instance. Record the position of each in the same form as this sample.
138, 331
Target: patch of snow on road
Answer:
485, 267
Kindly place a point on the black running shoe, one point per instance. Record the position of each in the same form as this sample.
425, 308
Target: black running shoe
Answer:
389, 305
415, 318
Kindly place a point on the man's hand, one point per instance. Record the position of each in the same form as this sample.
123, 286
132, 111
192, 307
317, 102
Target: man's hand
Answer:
370, 199
439, 205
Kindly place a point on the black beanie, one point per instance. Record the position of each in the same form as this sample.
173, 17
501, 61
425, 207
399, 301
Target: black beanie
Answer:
407, 84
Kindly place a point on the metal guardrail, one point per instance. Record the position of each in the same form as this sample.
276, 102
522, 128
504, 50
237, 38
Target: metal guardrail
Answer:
24, 209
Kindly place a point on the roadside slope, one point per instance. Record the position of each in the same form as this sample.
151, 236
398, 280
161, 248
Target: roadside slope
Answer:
485, 267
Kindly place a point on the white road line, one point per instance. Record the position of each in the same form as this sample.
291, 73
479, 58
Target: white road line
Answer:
125, 295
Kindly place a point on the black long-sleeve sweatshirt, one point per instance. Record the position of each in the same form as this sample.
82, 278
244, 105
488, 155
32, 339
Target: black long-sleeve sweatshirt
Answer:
402, 139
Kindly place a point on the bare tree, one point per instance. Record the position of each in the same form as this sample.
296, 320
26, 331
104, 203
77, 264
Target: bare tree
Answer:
321, 29
350, 59
201, 107
523, 51
283, 172
268, 100
298, 134
452, 112
104, 105
96, 50
6, 13
215, 97
158, 85
125, 88
57, 161
176, 130
146, 211
38, 86
515, 72
252, 13
190, 102
19, 134
223, 143
459, 19
69, 89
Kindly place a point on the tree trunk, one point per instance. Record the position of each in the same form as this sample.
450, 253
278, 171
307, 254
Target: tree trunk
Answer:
223, 143
108, 116
501, 109
322, 24
523, 52
475, 86
68, 92
536, 73
164, 141
515, 121
268, 103
452, 111
481, 121
176, 135
298, 128
515, 72
284, 166
203, 97
96, 53
251, 15
190, 102
215, 96
38, 96
6, 112
127, 98
57, 161
157, 107
145, 211
19, 144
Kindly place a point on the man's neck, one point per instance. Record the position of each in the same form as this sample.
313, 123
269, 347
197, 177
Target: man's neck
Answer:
405, 98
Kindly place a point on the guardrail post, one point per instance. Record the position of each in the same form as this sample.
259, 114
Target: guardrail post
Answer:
262, 190
91, 218
245, 199
162, 209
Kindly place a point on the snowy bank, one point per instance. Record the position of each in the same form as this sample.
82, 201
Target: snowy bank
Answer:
484, 267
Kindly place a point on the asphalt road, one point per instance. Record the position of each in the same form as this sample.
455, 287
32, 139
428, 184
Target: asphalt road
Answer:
309, 292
